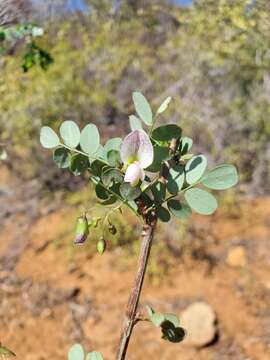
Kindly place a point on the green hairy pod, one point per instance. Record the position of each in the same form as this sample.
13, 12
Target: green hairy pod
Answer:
82, 230
101, 245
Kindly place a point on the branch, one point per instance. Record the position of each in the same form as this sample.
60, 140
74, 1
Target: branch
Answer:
131, 312
150, 219
13, 11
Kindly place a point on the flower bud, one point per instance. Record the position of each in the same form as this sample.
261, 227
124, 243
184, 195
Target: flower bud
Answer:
101, 245
82, 230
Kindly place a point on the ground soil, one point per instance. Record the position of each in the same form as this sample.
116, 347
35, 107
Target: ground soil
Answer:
52, 295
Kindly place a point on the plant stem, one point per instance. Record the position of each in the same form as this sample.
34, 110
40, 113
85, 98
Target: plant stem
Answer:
134, 297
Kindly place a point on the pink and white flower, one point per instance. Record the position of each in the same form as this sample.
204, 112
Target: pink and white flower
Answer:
137, 154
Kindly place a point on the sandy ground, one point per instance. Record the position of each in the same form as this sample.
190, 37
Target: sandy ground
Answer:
52, 295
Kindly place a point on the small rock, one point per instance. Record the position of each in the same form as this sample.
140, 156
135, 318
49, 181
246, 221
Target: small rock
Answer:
199, 321
237, 257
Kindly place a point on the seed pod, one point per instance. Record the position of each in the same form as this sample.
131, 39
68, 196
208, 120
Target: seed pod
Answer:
82, 230
101, 245
112, 229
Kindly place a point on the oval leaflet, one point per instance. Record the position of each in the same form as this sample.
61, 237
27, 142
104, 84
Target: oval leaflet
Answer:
221, 177
195, 168
201, 201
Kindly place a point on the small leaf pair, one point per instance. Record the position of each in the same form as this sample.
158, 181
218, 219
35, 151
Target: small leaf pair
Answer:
220, 178
169, 324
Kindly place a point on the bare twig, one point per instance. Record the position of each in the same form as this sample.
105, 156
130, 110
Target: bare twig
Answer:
131, 312
13, 11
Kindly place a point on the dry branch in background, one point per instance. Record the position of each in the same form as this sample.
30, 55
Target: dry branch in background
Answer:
13, 11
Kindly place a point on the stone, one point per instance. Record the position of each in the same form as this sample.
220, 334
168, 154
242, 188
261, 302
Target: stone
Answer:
199, 322
237, 257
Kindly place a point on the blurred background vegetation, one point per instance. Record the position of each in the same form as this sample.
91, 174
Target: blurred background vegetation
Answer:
212, 57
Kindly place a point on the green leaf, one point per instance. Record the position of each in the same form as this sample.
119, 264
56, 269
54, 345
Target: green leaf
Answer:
133, 205
129, 192
143, 108
157, 319
159, 191
187, 156
101, 192
48, 138
185, 145
163, 214
111, 176
111, 200
164, 105
172, 319
96, 167
70, 133
5, 352
201, 201
195, 168
221, 177
112, 144
135, 123
172, 333
94, 356
160, 154
100, 153
178, 209
76, 352
176, 178
150, 310
2, 34
3, 155
90, 139
167, 132
169, 324
113, 157
61, 157
78, 164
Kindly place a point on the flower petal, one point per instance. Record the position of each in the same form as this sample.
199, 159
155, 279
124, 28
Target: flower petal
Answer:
146, 151
137, 147
130, 147
142, 175
134, 174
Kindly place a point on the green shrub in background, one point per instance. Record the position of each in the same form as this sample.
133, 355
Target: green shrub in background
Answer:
213, 58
